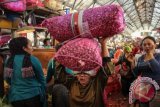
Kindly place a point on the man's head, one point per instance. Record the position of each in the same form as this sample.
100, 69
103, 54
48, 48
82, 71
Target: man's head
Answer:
84, 77
46, 42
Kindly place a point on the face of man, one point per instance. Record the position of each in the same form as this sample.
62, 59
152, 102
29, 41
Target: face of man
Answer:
83, 78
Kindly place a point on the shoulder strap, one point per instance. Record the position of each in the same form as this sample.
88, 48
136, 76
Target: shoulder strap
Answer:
58, 68
53, 63
103, 70
54, 67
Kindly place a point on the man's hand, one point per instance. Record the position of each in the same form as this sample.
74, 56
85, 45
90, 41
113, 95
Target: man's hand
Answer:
103, 42
131, 58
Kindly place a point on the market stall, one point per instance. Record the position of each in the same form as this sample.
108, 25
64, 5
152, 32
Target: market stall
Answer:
20, 19
79, 26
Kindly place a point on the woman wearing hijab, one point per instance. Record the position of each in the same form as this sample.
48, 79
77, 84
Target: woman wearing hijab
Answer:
24, 74
148, 65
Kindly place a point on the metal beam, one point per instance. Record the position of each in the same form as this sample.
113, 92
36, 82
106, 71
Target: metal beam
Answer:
130, 12
78, 4
109, 2
99, 2
145, 10
122, 3
126, 3
74, 3
152, 12
130, 27
138, 14
128, 15
127, 8
156, 23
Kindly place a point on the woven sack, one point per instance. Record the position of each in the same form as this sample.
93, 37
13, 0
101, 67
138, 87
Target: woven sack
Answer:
17, 6
81, 54
104, 21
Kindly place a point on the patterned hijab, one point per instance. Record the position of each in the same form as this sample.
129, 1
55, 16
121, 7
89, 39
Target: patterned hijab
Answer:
16, 46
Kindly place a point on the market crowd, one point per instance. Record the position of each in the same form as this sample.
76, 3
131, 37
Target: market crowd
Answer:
28, 87
84, 72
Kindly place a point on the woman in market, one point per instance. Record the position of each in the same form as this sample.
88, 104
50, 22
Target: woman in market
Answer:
84, 89
148, 65
125, 71
24, 74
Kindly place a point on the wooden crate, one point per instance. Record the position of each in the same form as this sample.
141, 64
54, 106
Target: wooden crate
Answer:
44, 55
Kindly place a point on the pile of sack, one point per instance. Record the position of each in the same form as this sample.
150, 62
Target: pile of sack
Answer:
81, 51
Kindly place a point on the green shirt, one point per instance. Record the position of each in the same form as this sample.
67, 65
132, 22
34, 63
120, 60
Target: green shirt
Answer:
51, 70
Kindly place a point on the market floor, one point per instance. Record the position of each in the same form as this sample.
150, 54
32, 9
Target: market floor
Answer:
114, 100
117, 100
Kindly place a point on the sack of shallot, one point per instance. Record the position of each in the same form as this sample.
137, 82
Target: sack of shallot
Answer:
17, 6
81, 54
94, 22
